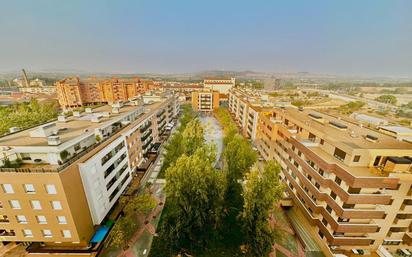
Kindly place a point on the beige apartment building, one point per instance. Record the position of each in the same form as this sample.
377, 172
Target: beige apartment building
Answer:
74, 92
353, 184
74, 170
205, 100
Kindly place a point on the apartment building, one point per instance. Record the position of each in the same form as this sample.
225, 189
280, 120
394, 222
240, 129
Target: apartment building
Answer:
74, 170
353, 184
221, 85
245, 113
205, 100
74, 92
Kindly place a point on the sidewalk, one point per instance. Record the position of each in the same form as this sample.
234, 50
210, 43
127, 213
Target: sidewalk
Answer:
141, 241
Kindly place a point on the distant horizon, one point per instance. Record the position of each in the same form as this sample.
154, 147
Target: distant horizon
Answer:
74, 72
370, 38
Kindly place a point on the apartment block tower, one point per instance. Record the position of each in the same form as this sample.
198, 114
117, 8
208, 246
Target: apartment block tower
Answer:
74, 92
205, 100
72, 171
353, 184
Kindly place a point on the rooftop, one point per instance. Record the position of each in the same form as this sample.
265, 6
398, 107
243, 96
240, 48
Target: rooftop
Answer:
397, 129
74, 126
342, 131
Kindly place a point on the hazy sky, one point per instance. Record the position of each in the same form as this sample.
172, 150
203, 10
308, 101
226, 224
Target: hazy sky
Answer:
363, 37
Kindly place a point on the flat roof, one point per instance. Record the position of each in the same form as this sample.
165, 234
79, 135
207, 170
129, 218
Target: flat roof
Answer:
397, 129
73, 128
353, 135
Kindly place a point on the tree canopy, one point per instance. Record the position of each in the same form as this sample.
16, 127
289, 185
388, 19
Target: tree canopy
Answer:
261, 191
389, 99
138, 206
238, 157
194, 192
25, 115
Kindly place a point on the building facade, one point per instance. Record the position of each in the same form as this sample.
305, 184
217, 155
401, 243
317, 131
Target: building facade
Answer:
74, 170
221, 85
205, 100
73, 92
353, 184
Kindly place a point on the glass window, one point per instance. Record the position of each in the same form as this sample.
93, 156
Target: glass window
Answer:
47, 233
356, 158
27, 233
29, 188
8, 188
66, 233
56, 205
21, 219
51, 189
41, 219
61, 219
35, 204
15, 204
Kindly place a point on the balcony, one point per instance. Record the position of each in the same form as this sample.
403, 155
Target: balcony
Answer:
6, 233
364, 176
145, 127
161, 120
4, 219
146, 135
147, 144
160, 113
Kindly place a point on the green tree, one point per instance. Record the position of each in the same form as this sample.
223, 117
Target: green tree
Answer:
261, 192
194, 192
135, 211
238, 157
141, 204
389, 99
193, 136
121, 233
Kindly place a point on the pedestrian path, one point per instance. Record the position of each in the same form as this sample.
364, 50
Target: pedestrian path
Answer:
148, 226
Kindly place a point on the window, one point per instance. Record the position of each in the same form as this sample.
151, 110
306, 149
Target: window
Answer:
29, 188
333, 195
35, 205
56, 205
41, 219
15, 204
66, 233
51, 189
322, 141
47, 233
356, 158
328, 209
27, 233
339, 154
21, 219
61, 219
8, 188
338, 180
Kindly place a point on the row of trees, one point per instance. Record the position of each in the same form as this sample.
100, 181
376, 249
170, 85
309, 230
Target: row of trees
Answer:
205, 205
250, 193
25, 115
